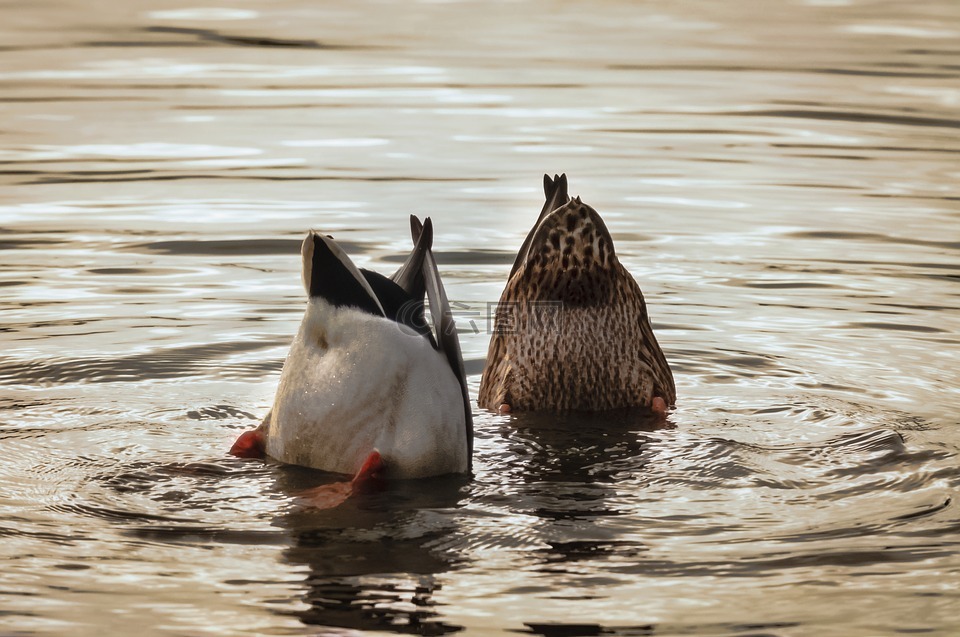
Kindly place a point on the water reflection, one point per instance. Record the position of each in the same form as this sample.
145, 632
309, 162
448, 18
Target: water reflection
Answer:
578, 447
376, 561
563, 476
405, 606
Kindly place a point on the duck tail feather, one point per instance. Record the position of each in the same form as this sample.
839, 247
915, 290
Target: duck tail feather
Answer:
410, 275
555, 195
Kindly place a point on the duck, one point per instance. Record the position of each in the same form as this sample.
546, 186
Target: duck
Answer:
571, 330
369, 388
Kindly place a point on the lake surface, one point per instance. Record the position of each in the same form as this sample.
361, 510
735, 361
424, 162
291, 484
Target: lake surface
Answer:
782, 178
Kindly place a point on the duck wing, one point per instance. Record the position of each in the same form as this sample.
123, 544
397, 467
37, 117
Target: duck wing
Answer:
555, 192
328, 273
447, 340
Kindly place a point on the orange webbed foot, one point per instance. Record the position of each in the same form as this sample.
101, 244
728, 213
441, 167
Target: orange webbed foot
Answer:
369, 478
250, 444
659, 407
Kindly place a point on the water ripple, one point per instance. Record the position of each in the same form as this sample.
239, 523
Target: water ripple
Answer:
178, 363
212, 36
787, 210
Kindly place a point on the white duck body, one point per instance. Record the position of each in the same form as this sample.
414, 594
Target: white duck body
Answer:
366, 374
354, 382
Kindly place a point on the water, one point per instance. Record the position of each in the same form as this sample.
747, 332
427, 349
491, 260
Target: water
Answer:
782, 182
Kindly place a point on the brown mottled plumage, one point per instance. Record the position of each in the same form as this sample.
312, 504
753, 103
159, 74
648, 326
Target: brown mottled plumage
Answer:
571, 329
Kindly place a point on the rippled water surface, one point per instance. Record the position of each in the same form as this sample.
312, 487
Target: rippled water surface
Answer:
780, 177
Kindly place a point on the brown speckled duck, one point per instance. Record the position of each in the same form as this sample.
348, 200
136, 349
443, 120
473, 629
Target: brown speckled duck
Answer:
571, 330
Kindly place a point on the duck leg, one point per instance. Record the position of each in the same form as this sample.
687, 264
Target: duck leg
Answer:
252, 444
369, 478
659, 406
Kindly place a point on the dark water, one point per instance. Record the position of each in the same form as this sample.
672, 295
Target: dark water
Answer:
782, 179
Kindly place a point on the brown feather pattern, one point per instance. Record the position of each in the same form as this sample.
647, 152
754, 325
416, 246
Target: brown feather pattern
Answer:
571, 330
